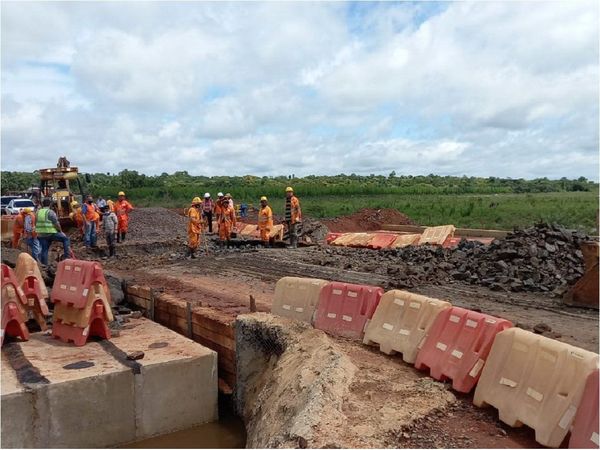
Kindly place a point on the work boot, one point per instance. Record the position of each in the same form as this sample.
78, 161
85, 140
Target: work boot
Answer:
123, 236
193, 254
221, 245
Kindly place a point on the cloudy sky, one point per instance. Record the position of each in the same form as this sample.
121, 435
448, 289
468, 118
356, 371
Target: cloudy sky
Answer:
477, 88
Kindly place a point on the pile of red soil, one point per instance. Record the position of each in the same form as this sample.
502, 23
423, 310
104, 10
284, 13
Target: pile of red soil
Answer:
366, 220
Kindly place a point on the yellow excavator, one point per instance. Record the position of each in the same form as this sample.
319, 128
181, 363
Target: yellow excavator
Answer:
56, 183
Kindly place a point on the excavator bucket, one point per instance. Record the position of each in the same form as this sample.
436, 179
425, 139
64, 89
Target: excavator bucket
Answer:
585, 291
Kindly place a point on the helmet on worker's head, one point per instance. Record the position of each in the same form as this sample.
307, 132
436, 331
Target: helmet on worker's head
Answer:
207, 195
220, 194
74, 205
263, 199
26, 210
121, 193
228, 195
196, 201
289, 189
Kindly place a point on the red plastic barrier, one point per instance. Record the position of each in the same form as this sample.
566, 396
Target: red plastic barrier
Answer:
13, 323
79, 336
344, 309
9, 277
382, 240
32, 289
457, 346
332, 237
585, 433
74, 279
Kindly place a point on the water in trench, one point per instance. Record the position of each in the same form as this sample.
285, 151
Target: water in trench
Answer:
227, 432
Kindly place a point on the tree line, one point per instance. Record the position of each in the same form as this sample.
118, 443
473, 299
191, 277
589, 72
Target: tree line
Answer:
181, 185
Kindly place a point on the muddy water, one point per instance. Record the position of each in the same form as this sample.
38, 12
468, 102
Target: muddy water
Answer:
228, 432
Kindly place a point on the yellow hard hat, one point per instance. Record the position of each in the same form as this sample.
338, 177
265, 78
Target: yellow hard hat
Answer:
121, 193
289, 189
196, 200
263, 198
26, 210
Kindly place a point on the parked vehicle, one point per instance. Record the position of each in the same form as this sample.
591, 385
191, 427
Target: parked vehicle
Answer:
4, 201
15, 206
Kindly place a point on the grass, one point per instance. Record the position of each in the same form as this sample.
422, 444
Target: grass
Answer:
494, 211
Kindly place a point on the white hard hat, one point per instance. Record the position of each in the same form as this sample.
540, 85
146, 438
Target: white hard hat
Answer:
207, 195
220, 194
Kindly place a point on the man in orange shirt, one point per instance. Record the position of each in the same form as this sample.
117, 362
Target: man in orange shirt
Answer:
293, 215
18, 226
91, 218
122, 209
226, 223
265, 221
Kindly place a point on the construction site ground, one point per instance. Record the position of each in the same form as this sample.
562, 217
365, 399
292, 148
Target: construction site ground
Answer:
225, 279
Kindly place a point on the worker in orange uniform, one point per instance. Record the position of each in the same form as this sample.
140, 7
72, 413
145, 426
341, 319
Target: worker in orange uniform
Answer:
265, 220
122, 210
218, 209
293, 215
226, 223
18, 229
77, 217
194, 227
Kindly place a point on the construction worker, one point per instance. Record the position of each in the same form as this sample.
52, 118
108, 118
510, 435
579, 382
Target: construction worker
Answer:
194, 227
293, 215
30, 233
77, 217
265, 221
207, 210
226, 223
91, 218
110, 224
48, 229
229, 200
218, 209
18, 226
122, 209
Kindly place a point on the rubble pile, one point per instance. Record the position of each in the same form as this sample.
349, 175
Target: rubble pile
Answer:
543, 258
367, 219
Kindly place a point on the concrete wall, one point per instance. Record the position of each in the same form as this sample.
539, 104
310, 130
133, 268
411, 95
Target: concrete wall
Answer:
208, 326
113, 401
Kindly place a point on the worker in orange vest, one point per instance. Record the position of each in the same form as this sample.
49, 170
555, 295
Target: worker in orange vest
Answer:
219, 209
122, 209
19, 226
18, 229
265, 220
194, 227
226, 223
91, 217
293, 215
77, 217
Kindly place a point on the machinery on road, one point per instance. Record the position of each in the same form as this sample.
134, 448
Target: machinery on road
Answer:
59, 184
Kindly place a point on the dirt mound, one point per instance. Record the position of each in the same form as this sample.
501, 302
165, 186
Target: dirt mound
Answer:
366, 220
156, 224
298, 388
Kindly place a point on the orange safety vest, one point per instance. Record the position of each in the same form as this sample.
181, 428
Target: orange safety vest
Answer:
91, 213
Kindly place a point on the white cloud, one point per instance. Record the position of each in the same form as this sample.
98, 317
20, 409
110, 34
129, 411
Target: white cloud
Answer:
478, 88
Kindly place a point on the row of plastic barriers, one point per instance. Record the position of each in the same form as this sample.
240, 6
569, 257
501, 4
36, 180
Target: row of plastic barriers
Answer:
530, 379
441, 235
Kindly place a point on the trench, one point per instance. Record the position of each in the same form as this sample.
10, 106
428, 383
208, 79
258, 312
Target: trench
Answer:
213, 330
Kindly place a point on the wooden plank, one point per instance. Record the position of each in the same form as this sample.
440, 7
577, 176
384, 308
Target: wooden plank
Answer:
223, 341
213, 325
222, 351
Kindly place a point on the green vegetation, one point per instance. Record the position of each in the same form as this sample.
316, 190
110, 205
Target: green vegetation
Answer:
431, 200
